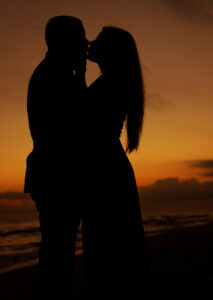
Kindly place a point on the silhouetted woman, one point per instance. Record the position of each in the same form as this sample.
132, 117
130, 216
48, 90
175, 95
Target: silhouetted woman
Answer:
114, 237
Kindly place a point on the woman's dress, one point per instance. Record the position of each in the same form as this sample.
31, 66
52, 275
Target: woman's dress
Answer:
113, 234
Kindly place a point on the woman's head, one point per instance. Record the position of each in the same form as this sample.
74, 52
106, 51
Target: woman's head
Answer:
116, 53
112, 48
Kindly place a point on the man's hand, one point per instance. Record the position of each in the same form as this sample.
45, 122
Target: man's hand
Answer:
80, 70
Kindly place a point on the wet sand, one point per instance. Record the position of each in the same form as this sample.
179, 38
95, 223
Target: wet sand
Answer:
181, 267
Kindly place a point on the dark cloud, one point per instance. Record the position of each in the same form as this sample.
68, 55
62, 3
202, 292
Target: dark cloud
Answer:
171, 189
156, 101
12, 195
200, 11
196, 10
17, 206
203, 164
208, 174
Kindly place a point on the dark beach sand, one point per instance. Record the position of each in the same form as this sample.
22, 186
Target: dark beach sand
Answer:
181, 265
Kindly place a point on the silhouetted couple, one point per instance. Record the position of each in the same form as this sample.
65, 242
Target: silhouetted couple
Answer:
78, 167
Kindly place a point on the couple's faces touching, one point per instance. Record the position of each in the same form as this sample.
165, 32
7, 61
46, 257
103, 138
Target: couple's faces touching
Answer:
98, 50
95, 48
83, 49
66, 40
107, 49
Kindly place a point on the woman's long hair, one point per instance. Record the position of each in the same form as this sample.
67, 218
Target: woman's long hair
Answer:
122, 54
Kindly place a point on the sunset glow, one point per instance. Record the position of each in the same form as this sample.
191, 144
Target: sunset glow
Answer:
175, 47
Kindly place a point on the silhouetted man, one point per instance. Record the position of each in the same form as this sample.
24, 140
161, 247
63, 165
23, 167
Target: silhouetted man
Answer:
55, 98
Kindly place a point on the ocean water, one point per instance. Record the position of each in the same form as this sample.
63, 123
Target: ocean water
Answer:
20, 241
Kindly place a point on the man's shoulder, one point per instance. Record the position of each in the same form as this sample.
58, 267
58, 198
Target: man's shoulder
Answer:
39, 72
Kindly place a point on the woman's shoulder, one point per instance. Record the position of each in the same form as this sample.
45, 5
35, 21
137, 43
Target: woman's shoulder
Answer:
109, 84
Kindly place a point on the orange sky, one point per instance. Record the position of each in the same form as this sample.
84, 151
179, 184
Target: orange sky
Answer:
175, 44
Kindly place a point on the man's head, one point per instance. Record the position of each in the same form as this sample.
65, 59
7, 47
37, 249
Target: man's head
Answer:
65, 36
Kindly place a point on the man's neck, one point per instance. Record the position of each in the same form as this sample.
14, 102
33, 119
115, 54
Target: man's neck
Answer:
59, 60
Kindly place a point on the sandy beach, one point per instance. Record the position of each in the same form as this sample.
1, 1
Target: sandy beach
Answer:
181, 267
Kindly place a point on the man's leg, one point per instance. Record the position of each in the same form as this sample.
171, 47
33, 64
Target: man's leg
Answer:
59, 225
